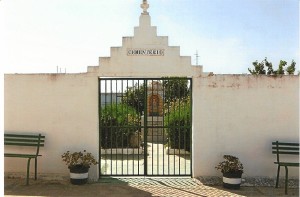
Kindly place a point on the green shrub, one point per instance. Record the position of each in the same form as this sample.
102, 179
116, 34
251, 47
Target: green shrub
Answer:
118, 122
135, 97
178, 121
175, 88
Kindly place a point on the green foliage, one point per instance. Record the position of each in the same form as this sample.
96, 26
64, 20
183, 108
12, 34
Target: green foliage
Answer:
79, 159
291, 69
175, 88
230, 164
135, 97
259, 68
118, 123
177, 112
280, 70
178, 121
269, 67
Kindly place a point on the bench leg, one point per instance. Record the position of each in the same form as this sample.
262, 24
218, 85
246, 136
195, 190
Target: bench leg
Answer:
286, 179
277, 179
35, 169
28, 167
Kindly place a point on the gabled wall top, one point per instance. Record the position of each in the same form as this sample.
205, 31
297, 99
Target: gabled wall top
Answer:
145, 55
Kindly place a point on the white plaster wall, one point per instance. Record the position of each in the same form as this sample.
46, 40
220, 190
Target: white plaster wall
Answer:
233, 114
241, 115
63, 107
145, 37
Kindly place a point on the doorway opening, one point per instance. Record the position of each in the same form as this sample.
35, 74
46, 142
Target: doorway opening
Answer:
145, 126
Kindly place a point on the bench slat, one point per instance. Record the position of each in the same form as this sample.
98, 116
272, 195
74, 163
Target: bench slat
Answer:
285, 152
20, 155
287, 164
22, 144
23, 136
286, 144
285, 148
22, 140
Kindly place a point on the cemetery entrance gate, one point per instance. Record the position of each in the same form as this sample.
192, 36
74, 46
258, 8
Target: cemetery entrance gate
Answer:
145, 126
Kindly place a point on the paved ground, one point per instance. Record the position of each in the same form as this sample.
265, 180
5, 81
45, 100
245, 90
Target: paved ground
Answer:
125, 187
158, 163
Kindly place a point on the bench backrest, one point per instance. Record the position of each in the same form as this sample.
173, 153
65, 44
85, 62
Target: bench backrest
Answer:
25, 140
286, 148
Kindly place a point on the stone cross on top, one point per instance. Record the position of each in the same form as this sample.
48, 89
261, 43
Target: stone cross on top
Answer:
145, 7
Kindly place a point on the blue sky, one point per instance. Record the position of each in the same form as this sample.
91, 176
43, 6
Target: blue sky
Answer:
229, 35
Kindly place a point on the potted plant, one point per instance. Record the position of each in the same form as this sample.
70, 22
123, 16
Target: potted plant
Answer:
232, 170
79, 164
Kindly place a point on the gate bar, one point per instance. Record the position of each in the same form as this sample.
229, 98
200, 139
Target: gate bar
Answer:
145, 129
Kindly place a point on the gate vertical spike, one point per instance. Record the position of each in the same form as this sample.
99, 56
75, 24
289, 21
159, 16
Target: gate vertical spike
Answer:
191, 123
138, 132
122, 137
116, 130
110, 128
99, 119
174, 112
168, 127
145, 129
163, 124
133, 90
179, 111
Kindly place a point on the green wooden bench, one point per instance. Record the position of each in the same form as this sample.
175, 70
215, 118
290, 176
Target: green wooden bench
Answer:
24, 140
280, 148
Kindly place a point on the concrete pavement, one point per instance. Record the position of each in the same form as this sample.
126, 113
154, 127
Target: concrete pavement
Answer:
126, 187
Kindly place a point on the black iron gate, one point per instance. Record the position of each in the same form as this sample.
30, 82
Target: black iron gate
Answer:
145, 126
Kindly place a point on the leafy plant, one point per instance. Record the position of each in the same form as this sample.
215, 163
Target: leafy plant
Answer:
178, 121
118, 123
291, 69
231, 164
259, 68
175, 88
280, 70
135, 97
84, 159
270, 67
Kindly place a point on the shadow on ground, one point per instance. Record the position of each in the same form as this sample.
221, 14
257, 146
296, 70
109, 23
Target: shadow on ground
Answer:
183, 187
16, 187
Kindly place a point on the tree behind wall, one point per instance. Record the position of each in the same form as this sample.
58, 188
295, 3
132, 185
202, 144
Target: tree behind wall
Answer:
259, 68
174, 88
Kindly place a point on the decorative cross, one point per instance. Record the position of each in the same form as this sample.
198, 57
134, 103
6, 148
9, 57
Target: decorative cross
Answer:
145, 6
